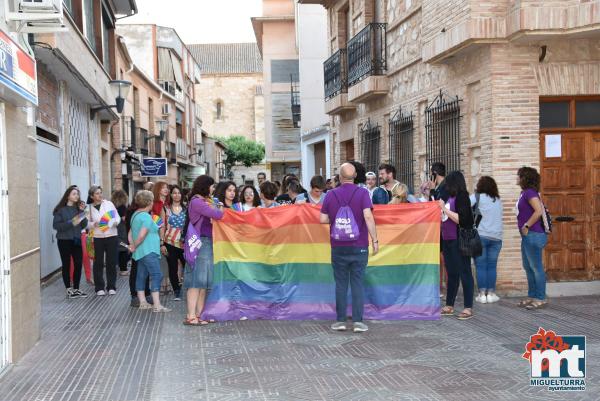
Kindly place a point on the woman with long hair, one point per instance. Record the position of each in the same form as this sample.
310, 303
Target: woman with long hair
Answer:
103, 223
533, 237
160, 190
145, 248
399, 194
197, 279
249, 198
176, 215
69, 220
226, 193
120, 199
489, 225
459, 213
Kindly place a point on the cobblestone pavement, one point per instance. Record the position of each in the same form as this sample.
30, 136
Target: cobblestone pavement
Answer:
101, 349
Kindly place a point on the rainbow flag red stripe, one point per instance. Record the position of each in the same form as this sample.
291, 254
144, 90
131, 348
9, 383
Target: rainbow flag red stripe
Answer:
276, 264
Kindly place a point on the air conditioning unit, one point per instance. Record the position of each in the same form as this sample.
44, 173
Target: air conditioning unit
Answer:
36, 16
167, 109
48, 6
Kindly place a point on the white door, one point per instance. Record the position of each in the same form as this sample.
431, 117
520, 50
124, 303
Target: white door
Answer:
4, 253
50, 191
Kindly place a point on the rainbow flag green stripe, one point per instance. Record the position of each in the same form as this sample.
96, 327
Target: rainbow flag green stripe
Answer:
276, 264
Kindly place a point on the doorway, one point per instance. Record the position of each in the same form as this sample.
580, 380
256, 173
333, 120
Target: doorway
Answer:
320, 159
570, 171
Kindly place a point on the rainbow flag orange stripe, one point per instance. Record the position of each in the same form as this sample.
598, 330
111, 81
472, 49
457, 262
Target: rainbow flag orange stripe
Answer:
276, 264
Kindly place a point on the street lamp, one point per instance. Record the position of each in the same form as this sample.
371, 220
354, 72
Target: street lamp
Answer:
120, 90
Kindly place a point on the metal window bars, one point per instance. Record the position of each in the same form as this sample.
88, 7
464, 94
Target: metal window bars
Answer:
335, 70
369, 145
367, 53
442, 131
401, 148
295, 100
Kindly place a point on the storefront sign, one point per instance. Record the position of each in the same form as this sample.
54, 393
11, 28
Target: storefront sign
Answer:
154, 167
17, 71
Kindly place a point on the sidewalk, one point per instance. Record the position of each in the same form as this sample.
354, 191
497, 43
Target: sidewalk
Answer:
101, 349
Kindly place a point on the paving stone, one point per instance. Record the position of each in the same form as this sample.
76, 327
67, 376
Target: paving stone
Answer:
101, 349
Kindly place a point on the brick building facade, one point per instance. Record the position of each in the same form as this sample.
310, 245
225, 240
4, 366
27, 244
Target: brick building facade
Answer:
475, 84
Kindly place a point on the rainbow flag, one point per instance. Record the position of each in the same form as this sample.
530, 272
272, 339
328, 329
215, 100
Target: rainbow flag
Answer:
105, 220
157, 220
276, 264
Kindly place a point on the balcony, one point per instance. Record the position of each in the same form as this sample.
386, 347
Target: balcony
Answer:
182, 149
336, 83
172, 89
367, 63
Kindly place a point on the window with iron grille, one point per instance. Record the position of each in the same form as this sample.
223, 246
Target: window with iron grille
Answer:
442, 132
369, 145
401, 147
295, 100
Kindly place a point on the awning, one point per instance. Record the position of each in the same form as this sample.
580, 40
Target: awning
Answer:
165, 65
177, 70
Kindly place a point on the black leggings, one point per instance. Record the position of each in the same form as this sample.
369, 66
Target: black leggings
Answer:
123, 259
68, 250
105, 247
174, 255
458, 268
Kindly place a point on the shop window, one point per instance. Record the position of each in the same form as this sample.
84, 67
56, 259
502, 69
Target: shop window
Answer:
554, 114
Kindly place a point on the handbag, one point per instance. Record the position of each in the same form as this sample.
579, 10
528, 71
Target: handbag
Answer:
469, 241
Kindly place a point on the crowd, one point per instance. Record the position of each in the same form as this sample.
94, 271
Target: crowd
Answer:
160, 219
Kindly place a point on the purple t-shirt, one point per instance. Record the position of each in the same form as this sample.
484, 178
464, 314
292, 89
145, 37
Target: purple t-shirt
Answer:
198, 208
358, 203
525, 210
449, 228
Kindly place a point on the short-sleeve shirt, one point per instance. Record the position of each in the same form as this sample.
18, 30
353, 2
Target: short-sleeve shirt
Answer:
358, 199
526, 210
151, 243
450, 228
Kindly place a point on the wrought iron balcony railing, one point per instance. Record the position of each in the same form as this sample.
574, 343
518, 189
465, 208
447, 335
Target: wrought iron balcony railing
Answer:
367, 53
336, 74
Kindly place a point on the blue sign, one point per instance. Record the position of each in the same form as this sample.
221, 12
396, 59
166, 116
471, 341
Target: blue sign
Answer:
6, 60
154, 167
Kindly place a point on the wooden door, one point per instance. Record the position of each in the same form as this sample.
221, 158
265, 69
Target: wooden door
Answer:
595, 206
320, 159
568, 183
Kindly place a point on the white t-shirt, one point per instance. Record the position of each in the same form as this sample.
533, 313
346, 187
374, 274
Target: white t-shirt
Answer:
491, 225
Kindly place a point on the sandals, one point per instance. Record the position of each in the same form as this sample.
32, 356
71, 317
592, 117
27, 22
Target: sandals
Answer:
524, 302
145, 306
211, 321
194, 322
465, 315
536, 305
161, 309
447, 311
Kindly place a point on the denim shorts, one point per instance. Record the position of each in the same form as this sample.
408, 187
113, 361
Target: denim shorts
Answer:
201, 275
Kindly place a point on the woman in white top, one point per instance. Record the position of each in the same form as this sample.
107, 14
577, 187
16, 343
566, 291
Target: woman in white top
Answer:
103, 222
487, 199
249, 198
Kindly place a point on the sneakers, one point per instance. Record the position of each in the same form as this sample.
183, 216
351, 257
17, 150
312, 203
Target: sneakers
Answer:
112, 292
360, 327
338, 326
481, 298
79, 294
177, 296
100, 293
135, 302
123, 273
70, 293
491, 298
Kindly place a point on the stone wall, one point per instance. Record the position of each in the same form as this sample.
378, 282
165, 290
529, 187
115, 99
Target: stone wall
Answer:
24, 231
237, 94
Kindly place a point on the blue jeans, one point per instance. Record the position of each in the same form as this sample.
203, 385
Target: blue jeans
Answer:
149, 265
349, 265
486, 264
532, 247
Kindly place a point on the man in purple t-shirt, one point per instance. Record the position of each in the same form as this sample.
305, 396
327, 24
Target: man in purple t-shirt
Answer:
349, 258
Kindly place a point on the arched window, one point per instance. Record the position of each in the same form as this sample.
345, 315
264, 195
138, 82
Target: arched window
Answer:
219, 110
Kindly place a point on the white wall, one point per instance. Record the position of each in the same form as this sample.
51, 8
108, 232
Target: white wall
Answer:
312, 48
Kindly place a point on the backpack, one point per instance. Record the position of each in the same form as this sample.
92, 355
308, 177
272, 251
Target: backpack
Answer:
192, 243
344, 227
546, 218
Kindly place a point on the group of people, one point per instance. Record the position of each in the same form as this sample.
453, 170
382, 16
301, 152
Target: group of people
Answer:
113, 232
